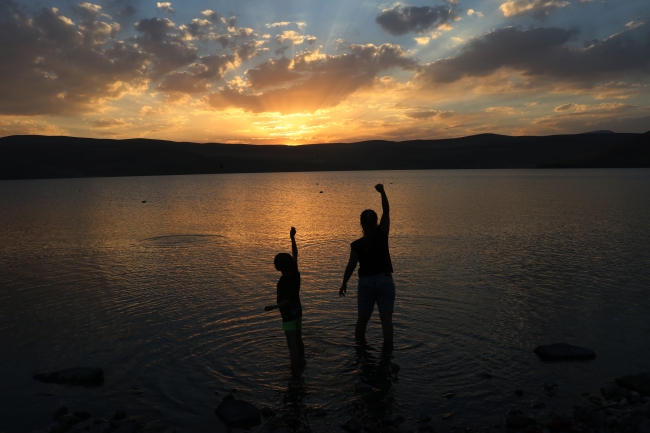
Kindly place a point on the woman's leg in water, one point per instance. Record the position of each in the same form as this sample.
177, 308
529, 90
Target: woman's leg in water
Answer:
360, 328
387, 329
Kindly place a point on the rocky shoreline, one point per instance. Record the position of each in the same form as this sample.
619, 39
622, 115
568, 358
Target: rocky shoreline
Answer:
622, 407
82, 421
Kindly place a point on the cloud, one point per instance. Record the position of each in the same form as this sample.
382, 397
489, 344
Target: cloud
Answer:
585, 108
108, 123
52, 66
537, 8
423, 40
10, 125
94, 31
401, 19
429, 114
500, 110
280, 24
312, 80
472, 12
248, 50
168, 51
634, 24
576, 118
127, 11
166, 6
294, 37
545, 53
272, 73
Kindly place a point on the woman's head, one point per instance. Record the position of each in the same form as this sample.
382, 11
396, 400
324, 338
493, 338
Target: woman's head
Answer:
284, 262
368, 221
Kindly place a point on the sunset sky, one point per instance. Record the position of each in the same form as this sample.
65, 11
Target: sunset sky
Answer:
307, 71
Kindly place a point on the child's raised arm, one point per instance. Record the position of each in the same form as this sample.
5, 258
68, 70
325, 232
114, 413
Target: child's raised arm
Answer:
294, 247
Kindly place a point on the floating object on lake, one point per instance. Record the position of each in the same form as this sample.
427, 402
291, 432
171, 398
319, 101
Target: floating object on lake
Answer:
563, 352
84, 376
144, 201
321, 192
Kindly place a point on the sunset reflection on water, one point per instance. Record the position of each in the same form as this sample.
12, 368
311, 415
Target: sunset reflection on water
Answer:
168, 295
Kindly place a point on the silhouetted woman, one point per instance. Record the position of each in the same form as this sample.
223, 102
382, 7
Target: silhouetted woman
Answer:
375, 272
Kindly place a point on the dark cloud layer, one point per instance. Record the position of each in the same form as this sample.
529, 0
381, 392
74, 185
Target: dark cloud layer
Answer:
312, 83
545, 52
51, 66
402, 19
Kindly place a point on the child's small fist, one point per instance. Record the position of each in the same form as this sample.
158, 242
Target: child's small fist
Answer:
292, 233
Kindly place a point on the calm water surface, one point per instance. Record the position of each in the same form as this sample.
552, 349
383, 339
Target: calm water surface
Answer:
168, 296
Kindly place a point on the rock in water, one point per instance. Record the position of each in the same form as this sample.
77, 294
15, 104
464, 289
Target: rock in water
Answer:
85, 376
636, 382
517, 421
238, 413
564, 352
352, 425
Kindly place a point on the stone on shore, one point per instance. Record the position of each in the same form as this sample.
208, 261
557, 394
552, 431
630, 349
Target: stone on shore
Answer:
564, 352
238, 413
85, 376
636, 382
611, 391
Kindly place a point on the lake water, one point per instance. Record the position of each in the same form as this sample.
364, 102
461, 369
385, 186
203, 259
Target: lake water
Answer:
167, 296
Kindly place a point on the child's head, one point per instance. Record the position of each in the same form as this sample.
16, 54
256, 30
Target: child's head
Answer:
368, 220
284, 263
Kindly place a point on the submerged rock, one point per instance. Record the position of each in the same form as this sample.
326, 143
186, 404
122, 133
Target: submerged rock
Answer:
238, 413
362, 387
352, 425
59, 412
119, 415
636, 382
83, 414
564, 352
517, 421
85, 376
550, 386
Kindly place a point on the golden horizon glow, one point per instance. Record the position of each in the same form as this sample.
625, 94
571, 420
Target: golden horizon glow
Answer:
264, 74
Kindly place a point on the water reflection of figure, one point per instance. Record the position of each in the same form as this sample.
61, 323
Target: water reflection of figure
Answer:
293, 401
288, 301
375, 403
375, 272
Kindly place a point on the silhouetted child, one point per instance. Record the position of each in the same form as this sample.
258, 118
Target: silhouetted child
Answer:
289, 303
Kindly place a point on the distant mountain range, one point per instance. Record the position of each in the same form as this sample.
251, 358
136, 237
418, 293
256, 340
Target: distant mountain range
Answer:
43, 157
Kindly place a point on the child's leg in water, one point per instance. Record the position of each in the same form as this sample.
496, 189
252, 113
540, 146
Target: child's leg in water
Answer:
294, 354
301, 348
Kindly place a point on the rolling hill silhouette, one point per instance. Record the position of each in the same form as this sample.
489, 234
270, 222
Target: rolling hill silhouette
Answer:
42, 157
